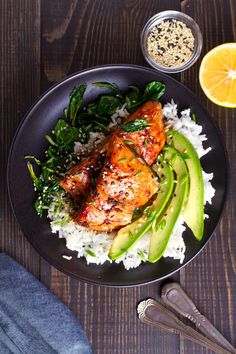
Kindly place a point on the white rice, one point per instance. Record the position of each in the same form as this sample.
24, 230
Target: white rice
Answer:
84, 149
118, 116
94, 246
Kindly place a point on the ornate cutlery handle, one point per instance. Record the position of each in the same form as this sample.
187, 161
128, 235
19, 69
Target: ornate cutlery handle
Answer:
152, 312
176, 298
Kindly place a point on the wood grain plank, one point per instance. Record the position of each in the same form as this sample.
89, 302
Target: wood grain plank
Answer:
87, 33
110, 321
211, 278
19, 87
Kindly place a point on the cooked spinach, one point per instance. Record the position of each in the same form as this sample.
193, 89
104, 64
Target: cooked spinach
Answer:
134, 98
75, 125
107, 105
66, 135
47, 190
153, 91
76, 99
113, 87
59, 155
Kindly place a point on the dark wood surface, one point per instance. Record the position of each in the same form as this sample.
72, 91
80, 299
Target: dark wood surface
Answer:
43, 41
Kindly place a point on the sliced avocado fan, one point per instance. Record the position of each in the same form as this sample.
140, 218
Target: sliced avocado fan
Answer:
163, 226
194, 208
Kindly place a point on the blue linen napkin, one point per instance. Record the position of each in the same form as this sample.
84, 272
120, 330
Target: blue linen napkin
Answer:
32, 320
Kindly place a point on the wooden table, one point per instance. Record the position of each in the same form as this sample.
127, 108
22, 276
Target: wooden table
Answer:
43, 41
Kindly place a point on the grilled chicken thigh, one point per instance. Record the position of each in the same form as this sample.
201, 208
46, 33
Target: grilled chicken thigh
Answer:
124, 179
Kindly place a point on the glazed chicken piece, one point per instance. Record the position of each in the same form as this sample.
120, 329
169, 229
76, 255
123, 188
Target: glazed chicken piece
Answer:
148, 143
125, 182
78, 180
104, 214
125, 177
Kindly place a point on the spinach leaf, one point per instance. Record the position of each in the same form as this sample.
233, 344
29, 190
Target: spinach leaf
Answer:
99, 127
84, 119
72, 134
66, 135
107, 105
37, 161
134, 98
36, 181
135, 125
50, 140
60, 126
113, 87
153, 91
135, 88
91, 108
76, 98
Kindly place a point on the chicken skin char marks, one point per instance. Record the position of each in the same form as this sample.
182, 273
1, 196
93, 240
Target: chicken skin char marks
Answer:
147, 143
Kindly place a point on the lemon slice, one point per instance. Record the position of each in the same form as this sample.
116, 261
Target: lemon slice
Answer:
217, 75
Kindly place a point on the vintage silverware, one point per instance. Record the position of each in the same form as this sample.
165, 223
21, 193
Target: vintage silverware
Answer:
152, 312
176, 298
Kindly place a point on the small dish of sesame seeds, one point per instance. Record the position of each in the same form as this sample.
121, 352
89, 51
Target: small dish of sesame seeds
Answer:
171, 41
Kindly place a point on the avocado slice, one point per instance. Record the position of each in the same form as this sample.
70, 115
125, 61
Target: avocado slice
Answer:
194, 208
163, 227
127, 236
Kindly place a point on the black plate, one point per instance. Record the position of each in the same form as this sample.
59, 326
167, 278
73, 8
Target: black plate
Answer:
29, 139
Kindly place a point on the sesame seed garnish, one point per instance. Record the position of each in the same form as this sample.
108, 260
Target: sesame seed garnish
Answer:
170, 43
